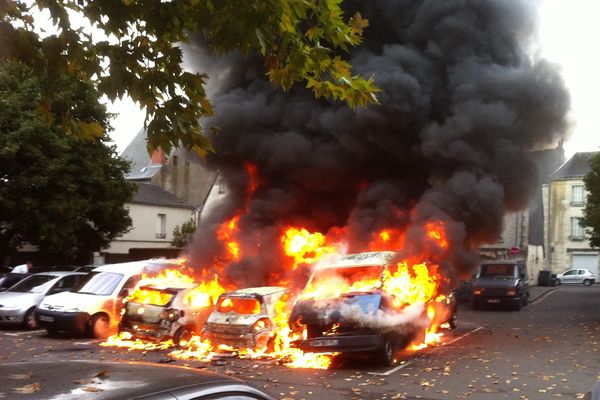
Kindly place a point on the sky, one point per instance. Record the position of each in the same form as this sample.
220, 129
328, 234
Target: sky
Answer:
568, 34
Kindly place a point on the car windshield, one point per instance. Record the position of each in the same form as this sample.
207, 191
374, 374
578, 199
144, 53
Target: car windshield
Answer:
334, 281
32, 284
367, 303
238, 305
146, 295
99, 283
497, 270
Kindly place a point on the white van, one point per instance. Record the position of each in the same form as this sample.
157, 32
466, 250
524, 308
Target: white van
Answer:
94, 306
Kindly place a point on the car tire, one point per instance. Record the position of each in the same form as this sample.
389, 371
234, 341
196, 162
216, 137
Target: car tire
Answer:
29, 320
587, 282
452, 321
558, 282
182, 335
385, 355
99, 326
525, 299
52, 331
517, 306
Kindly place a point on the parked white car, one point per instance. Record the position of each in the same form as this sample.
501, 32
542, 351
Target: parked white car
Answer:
19, 302
577, 275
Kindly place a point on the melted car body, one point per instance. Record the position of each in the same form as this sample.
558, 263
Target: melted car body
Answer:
162, 313
245, 318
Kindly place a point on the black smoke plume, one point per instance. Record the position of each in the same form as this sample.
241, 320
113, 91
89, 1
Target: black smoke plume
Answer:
462, 104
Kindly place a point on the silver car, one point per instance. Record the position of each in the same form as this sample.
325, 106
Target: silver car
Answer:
18, 303
576, 275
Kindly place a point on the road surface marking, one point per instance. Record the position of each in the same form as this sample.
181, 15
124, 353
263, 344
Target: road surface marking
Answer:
391, 371
463, 336
88, 342
543, 296
24, 333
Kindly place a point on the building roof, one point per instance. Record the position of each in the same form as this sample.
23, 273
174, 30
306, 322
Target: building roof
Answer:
136, 152
154, 195
576, 167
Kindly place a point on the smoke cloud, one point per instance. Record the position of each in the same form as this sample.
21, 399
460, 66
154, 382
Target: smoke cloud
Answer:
462, 104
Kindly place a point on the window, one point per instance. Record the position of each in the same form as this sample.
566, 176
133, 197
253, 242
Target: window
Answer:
221, 186
161, 226
174, 161
576, 229
571, 272
577, 195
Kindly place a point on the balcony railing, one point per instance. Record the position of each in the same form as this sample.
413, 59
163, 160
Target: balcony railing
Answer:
160, 235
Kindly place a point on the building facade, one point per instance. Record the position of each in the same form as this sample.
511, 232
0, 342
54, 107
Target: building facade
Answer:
566, 238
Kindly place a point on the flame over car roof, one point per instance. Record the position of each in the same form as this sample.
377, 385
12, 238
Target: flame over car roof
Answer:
261, 291
358, 260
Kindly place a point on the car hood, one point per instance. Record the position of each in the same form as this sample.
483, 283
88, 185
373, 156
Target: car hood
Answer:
234, 319
18, 299
495, 282
71, 299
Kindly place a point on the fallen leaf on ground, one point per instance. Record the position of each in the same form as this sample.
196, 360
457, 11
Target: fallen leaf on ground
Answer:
92, 389
34, 387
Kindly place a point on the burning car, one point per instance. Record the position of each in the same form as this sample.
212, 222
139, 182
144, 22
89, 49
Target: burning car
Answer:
356, 304
162, 313
245, 318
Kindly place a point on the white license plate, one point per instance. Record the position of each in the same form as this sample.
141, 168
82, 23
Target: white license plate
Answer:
324, 342
47, 319
495, 301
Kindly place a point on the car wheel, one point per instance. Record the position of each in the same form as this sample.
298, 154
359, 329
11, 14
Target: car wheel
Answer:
182, 337
29, 321
518, 304
385, 355
452, 321
558, 282
525, 298
51, 331
587, 282
99, 326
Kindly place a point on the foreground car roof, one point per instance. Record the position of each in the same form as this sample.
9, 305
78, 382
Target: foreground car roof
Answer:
70, 380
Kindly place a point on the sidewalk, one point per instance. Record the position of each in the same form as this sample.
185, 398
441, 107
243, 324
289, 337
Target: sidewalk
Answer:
537, 291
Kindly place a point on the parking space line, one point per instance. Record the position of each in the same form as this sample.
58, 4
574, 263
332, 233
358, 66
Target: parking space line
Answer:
23, 333
88, 342
463, 336
391, 371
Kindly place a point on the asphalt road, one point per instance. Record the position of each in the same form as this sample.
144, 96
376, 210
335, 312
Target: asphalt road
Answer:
548, 350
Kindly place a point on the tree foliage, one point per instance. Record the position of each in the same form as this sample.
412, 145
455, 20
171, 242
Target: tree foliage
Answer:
140, 56
182, 235
591, 211
58, 192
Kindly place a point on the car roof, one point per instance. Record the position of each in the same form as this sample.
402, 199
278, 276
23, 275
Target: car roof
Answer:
134, 267
261, 291
108, 380
372, 258
60, 273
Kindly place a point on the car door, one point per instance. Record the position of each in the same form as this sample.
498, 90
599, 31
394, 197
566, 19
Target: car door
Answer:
570, 276
581, 275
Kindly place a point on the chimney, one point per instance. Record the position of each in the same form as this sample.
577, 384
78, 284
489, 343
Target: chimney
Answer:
158, 156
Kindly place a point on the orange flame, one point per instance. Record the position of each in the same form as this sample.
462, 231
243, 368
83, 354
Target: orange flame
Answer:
305, 247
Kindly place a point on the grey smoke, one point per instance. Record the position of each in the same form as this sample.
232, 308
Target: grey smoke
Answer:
462, 104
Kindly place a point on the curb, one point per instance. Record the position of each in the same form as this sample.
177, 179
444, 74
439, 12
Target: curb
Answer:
543, 292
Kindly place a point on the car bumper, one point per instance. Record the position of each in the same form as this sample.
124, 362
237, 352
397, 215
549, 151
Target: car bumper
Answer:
12, 316
146, 331
247, 341
342, 344
501, 300
63, 321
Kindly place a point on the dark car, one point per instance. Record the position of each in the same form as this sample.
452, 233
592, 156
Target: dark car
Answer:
501, 283
123, 380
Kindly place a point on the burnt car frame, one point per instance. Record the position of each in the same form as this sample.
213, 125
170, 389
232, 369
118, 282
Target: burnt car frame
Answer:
245, 318
329, 329
167, 314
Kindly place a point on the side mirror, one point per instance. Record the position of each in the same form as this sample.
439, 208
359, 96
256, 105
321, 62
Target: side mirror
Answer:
125, 292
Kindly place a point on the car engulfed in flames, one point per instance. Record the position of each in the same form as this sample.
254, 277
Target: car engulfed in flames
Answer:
370, 303
245, 318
